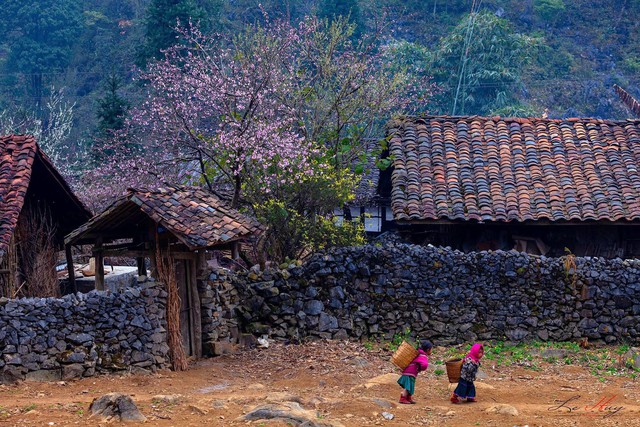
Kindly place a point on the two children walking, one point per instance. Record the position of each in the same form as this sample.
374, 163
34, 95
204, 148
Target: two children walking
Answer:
465, 388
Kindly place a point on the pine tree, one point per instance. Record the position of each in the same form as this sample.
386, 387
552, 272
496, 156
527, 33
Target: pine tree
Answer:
112, 109
111, 114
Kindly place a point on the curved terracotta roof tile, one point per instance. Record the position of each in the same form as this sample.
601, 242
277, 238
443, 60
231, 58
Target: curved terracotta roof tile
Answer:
499, 169
196, 217
17, 153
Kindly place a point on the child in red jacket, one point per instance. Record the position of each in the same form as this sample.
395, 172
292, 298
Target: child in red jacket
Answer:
408, 379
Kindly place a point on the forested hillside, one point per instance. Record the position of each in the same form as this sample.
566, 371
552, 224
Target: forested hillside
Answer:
522, 57
70, 70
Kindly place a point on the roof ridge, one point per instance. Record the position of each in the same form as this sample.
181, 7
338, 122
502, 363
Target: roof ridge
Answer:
405, 118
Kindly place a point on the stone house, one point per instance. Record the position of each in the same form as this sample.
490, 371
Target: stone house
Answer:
534, 184
34, 199
185, 222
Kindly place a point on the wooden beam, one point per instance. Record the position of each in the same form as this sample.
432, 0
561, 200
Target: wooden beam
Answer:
528, 223
142, 268
201, 264
70, 268
235, 250
151, 238
196, 319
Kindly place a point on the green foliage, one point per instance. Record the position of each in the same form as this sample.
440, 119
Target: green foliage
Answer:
112, 108
632, 64
549, 10
479, 64
163, 16
40, 36
291, 234
332, 9
398, 338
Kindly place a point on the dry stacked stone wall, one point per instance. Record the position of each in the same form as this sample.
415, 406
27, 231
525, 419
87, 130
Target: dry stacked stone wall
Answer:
83, 334
438, 293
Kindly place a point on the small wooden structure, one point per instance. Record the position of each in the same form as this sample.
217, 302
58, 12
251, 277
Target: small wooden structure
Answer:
31, 185
184, 222
533, 184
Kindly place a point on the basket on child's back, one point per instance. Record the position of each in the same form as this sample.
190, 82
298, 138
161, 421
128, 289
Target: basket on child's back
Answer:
454, 367
404, 355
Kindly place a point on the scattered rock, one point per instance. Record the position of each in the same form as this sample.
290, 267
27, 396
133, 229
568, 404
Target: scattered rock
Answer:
385, 379
277, 397
44, 375
383, 403
118, 406
256, 386
502, 409
170, 399
222, 386
219, 404
483, 386
288, 412
388, 415
198, 410
556, 353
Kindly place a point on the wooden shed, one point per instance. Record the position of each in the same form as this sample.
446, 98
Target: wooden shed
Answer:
37, 208
185, 222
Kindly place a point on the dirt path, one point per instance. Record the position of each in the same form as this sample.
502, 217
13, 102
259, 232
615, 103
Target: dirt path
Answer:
342, 384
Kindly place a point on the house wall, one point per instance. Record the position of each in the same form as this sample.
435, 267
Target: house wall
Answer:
83, 334
594, 239
438, 293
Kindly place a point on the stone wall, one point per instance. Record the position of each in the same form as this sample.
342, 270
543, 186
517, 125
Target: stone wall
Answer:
83, 334
218, 300
438, 293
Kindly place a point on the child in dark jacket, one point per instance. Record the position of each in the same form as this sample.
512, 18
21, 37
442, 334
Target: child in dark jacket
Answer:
408, 379
470, 365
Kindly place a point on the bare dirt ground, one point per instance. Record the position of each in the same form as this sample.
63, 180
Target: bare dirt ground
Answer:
341, 384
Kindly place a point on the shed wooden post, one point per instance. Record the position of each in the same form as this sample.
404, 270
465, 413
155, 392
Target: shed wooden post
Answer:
152, 250
142, 268
235, 250
196, 319
70, 269
99, 255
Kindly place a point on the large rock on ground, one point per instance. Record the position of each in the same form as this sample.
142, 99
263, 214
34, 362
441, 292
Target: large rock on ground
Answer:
116, 406
290, 413
502, 409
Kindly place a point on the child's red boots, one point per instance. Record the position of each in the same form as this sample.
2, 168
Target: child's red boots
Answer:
405, 399
454, 399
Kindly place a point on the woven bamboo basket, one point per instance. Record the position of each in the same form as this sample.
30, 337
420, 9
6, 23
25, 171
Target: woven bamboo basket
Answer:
454, 366
404, 355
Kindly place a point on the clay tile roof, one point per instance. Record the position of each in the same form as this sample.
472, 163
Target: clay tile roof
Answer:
514, 169
628, 100
367, 188
196, 217
17, 153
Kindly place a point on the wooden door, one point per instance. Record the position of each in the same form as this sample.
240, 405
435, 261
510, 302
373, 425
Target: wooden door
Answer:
182, 279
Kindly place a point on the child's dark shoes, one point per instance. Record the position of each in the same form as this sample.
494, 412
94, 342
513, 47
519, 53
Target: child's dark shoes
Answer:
471, 399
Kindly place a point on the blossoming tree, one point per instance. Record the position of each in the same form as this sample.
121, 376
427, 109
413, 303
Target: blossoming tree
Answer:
276, 115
